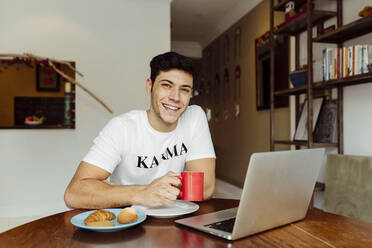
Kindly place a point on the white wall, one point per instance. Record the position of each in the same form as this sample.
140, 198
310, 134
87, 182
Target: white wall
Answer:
187, 48
357, 99
112, 43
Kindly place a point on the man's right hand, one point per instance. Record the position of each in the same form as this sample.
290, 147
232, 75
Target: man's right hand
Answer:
163, 190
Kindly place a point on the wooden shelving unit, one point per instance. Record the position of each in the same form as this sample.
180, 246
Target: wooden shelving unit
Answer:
352, 30
342, 33
299, 25
291, 91
342, 82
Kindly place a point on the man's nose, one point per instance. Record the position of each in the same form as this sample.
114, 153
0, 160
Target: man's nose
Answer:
175, 94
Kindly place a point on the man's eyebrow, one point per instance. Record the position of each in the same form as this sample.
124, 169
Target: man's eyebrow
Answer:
169, 81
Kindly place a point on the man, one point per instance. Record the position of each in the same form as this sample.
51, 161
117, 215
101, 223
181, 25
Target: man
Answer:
143, 152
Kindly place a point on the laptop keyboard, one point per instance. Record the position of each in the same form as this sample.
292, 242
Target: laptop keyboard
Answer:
225, 225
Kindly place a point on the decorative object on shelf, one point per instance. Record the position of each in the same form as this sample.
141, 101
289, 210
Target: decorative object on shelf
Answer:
34, 120
237, 42
301, 130
366, 11
326, 127
263, 39
237, 82
47, 79
52, 63
226, 85
68, 108
298, 78
291, 14
329, 29
290, 9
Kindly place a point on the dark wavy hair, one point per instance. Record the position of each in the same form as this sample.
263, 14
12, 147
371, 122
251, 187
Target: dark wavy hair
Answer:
168, 61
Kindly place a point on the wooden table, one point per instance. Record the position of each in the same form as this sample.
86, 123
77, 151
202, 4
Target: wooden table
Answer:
318, 229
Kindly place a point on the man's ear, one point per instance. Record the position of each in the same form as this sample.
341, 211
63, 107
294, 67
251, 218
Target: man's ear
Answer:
148, 86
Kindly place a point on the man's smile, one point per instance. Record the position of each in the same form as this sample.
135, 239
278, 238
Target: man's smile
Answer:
170, 107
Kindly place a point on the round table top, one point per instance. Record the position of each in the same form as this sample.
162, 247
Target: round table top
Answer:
57, 231
318, 229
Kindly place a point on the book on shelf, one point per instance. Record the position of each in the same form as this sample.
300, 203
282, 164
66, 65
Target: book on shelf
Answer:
346, 61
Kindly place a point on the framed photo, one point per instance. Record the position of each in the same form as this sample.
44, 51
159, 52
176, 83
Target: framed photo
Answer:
47, 79
301, 130
326, 127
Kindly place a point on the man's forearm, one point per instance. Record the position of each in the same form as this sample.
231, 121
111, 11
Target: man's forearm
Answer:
209, 189
96, 194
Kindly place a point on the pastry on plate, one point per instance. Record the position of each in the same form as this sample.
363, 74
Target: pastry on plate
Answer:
100, 218
128, 215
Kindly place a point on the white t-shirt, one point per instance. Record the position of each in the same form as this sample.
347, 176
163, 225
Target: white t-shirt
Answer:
135, 153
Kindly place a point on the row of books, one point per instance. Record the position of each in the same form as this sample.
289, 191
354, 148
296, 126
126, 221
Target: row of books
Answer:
346, 61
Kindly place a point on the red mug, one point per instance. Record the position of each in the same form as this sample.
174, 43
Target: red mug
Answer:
192, 186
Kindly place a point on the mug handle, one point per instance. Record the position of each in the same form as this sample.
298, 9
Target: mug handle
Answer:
180, 177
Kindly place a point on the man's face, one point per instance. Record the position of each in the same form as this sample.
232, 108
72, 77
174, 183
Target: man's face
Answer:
170, 96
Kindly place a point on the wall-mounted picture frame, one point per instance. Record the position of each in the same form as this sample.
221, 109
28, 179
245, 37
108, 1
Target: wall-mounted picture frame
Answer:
47, 79
301, 130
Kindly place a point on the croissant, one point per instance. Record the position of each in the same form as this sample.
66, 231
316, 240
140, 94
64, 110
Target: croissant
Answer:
100, 223
99, 216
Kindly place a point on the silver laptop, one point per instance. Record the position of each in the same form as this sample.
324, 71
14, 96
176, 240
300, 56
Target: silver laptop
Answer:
277, 190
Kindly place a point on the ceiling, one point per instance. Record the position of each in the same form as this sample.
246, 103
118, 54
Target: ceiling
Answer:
202, 21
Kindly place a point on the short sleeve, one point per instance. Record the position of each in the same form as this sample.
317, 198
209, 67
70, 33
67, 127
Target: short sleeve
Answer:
106, 152
201, 141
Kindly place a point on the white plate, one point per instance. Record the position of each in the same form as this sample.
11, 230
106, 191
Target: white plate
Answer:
78, 221
177, 209
33, 122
